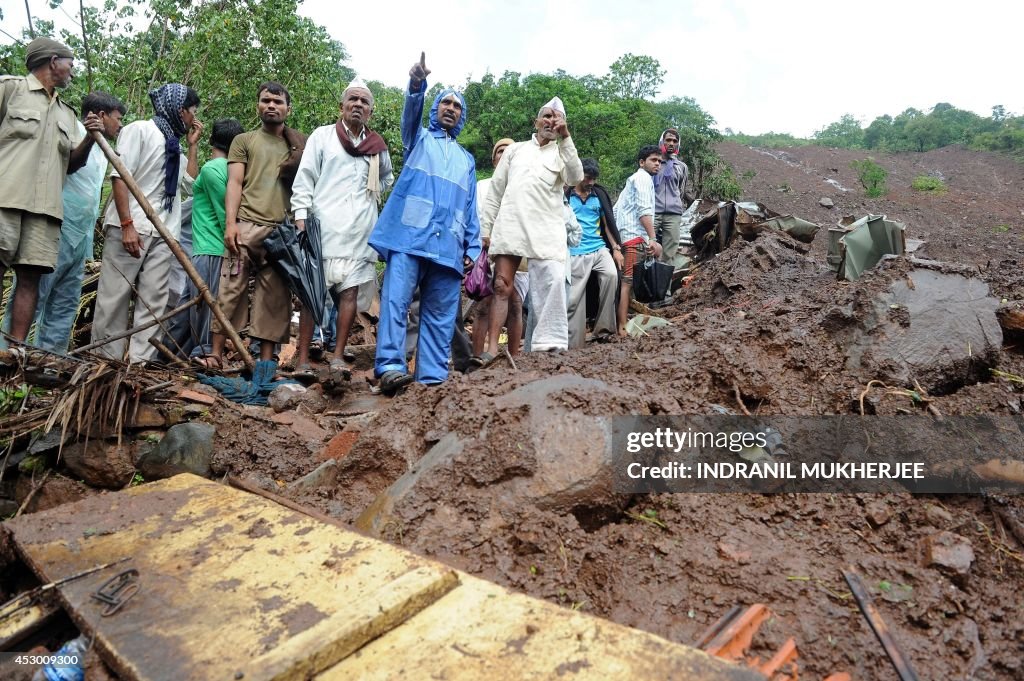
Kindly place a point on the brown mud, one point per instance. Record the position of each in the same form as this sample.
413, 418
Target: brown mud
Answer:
764, 328
760, 328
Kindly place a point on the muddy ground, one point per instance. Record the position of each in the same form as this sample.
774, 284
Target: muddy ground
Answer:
760, 329
756, 326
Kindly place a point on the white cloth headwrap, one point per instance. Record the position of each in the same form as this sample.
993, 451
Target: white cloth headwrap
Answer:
555, 104
358, 82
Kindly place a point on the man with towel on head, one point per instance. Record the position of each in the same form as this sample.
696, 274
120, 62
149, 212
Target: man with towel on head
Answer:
136, 259
40, 144
526, 218
345, 167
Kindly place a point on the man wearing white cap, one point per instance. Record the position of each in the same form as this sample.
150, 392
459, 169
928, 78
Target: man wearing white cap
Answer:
525, 215
345, 167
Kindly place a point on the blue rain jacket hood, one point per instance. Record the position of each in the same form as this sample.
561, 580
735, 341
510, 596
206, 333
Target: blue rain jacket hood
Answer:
431, 212
435, 126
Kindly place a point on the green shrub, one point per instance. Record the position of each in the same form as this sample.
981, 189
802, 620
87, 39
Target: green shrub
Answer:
872, 177
722, 185
926, 183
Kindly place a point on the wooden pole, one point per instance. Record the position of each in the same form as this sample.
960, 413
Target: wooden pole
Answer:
186, 262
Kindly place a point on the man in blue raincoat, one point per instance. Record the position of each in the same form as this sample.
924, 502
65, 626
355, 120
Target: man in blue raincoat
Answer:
428, 233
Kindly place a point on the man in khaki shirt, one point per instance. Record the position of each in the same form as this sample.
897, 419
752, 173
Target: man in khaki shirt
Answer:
38, 137
258, 198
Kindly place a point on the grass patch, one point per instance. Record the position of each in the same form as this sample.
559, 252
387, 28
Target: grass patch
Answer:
928, 185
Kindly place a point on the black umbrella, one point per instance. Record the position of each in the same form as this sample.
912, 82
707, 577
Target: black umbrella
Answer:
298, 257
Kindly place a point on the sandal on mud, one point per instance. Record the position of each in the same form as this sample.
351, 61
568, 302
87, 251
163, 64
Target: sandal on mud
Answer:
393, 381
209, 362
303, 373
481, 360
348, 355
339, 368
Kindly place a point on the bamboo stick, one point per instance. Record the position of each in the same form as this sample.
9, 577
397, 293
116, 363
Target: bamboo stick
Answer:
186, 262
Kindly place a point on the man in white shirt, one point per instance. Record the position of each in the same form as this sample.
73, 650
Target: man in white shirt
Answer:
134, 254
634, 216
526, 218
344, 169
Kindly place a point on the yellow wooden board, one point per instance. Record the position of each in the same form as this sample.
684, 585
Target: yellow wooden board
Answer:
483, 631
231, 583
234, 586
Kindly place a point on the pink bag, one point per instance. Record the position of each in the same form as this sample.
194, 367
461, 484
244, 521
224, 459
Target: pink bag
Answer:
478, 281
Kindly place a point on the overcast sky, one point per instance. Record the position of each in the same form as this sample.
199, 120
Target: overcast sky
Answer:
789, 66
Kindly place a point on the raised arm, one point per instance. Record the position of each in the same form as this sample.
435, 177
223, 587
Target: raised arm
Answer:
567, 151
412, 112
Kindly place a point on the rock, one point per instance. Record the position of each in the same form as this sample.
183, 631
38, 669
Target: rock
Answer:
198, 397
826, 202
56, 491
324, 475
147, 416
285, 396
948, 552
539, 449
731, 551
877, 513
339, 446
185, 412
186, 448
302, 426
50, 441
100, 463
946, 334
313, 400
937, 516
286, 354
365, 355
33, 463
1011, 317
263, 481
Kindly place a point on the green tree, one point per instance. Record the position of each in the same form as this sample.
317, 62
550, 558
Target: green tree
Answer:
845, 133
635, 76
872, 177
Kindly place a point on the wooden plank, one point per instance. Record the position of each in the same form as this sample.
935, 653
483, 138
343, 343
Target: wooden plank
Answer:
235, 586
231, 583
483, 631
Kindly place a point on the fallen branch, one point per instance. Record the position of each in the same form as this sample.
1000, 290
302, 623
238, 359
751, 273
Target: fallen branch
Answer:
32, 493
136, 329
878, 625
739, 400
509, 355
173, 359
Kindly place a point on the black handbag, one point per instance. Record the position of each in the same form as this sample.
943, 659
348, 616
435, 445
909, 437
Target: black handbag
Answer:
651, 280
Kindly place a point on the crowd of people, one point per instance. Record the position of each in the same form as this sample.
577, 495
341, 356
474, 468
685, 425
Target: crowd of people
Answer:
547, 226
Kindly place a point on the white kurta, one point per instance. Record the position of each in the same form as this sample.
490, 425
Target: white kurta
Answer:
141, 148
523, 212
332, 184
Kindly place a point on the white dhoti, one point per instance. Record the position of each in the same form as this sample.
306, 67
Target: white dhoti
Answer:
548, 305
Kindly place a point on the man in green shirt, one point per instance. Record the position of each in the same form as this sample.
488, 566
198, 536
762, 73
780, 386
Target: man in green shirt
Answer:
208, 220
